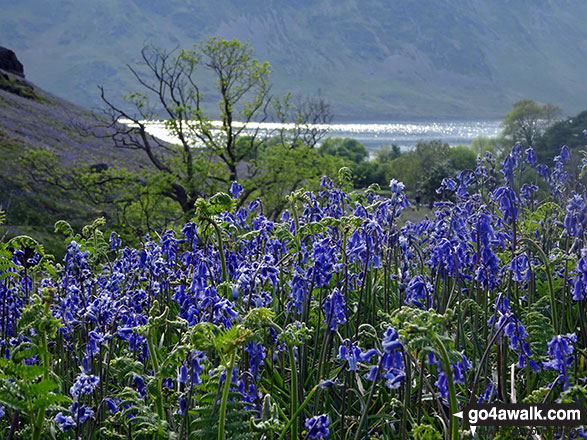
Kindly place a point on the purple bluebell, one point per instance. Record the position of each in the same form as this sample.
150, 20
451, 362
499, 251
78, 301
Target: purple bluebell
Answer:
508, 203
183, 375
140, 385
236, 189
112, 406
64, 423
353, 354
396, 187
530, 156
508, 166
576, 217
543, 171
520, 267
561, 349
317, 426
418, 291
334, 310
580, 284
84, 384
114, 241
80, 413
489, 392
257, 354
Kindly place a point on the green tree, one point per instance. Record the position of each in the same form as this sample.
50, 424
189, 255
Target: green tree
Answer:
387, 153
462, 157
482, 144
567, 132
423, 168
204, 156
528, 120
207, 157
346, 148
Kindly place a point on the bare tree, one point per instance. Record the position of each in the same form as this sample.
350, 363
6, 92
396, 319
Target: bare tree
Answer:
207, 155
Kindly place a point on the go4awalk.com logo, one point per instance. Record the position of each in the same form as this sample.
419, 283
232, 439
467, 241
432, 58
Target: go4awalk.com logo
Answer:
520, 414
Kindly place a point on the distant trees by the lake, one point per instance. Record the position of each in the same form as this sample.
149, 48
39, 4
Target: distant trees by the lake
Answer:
423, 168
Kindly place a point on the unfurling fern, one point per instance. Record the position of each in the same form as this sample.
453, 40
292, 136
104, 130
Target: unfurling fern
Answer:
204, 416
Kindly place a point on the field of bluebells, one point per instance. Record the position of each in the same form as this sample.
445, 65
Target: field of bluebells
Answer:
339, 321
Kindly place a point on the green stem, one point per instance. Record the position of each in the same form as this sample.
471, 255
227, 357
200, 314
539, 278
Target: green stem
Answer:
454, 435
293, 420
369, 398
220, 246
545, 261
225, 392
294, 394
155, 362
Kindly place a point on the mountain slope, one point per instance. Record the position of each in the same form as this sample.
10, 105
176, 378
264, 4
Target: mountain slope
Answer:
370, 59
31, 119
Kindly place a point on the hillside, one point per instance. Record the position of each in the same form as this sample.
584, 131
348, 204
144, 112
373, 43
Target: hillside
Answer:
370, 59
32, 119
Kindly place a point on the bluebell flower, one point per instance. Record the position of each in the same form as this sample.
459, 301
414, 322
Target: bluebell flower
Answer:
141, 387
531, 156
325, 384
489, 392
257, 354
508, 203
183, 374
317, 426
392, 362
520, 267
80, 413
112, 406
449, 184
543, 171
580, 284
485, 231
353, 354
527, 194
64, 423
508, 166
561, 349
334, 309
95, 339
1, 411
418, 291
84, 384
236, 190
124, 333
114, 241
460, 369
578, 432
396, 187
576, 217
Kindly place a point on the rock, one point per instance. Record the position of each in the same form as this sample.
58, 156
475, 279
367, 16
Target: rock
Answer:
10, 63
99, 167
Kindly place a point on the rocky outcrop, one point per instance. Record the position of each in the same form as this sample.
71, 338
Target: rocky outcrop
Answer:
12, 75
10, 63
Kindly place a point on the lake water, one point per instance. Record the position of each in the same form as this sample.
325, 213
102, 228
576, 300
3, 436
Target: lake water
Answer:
404, 134
407, 134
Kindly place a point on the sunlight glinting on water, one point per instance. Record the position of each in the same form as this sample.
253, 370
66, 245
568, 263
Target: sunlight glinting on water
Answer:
372, 135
